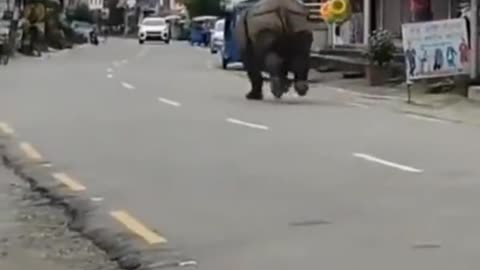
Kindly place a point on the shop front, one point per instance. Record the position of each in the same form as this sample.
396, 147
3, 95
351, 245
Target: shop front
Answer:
398, 12
368, 15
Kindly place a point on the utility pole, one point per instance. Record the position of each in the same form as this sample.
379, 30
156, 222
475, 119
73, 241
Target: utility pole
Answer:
14, 26
125, 19
129, 4
367, 22
474, 38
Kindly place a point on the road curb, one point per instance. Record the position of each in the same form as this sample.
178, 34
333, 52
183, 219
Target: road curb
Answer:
434, 116
90, 219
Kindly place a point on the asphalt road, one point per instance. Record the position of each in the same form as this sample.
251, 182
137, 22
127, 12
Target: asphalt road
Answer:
321, 182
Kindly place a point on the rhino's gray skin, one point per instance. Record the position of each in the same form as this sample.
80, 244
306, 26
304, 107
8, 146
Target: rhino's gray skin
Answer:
275, 35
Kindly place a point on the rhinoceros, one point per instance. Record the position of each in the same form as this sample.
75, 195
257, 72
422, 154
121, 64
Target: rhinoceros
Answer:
275, 36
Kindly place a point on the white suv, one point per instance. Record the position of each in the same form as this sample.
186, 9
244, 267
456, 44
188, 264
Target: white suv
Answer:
153, 28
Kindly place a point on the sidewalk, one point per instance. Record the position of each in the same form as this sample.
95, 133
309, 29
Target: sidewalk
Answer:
33, 235
447, 106
19, 57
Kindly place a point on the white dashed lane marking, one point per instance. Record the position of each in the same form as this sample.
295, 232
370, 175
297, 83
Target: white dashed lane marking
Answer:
169, 102
246, 124
143, 52
210, 65
387, 163
128, 86
110, 76
187, 263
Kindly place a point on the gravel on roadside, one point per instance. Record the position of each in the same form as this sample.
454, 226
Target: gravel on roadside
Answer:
34, 234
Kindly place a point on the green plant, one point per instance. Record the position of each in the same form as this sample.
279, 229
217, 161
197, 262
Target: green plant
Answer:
81, 13
202, 7
381, 48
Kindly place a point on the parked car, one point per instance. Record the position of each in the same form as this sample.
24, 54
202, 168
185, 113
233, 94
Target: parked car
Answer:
230, 53
216, 41
153, 28
85, 29
200, 30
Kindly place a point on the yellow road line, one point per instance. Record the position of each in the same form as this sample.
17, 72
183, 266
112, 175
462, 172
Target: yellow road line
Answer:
69, 182
138, 228
31, 152
6, 128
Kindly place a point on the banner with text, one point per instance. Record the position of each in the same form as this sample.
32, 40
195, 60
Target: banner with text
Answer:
436, 49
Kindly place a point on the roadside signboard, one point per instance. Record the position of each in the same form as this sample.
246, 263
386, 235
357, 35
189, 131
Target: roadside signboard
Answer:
95, 4
436, 49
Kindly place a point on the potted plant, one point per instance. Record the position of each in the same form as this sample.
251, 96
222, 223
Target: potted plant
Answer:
380, 53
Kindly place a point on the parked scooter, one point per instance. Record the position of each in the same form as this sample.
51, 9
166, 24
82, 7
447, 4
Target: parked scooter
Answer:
4, 53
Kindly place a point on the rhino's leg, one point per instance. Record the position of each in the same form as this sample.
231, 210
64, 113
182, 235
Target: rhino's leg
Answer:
253, 68
274, 65
266, 52
285, 70
301, 61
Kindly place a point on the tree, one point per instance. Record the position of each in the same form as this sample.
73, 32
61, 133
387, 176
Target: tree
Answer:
202, 7
115, 13
82, 13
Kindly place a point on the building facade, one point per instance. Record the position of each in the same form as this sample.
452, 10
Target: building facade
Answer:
391, 14
168, 4
369, 15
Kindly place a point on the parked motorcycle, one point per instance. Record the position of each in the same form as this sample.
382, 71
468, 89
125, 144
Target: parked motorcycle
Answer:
4, 38
4, 54
94, 37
